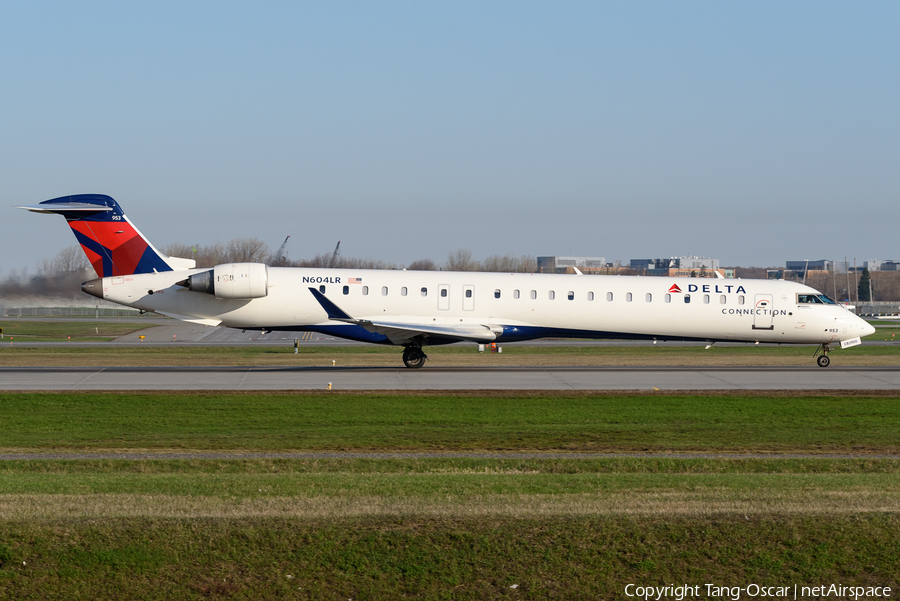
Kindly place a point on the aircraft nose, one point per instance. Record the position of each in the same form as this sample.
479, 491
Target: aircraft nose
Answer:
867, 328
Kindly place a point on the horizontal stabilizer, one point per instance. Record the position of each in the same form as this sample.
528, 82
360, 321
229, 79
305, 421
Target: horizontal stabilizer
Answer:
75, 208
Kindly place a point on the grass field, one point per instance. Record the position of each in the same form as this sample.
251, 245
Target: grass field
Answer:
503, 421
27, 330
539, 526
437, 558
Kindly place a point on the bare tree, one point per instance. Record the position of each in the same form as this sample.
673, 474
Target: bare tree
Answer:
422, 265
461, 260
69, 260
510, 264
247, 250
177, 249
323, 261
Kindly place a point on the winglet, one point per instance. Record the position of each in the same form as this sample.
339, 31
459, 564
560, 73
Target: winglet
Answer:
334, 312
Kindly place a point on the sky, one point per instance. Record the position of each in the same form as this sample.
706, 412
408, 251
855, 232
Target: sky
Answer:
753, 132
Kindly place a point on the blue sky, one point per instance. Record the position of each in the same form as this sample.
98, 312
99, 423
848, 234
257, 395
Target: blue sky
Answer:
751, 132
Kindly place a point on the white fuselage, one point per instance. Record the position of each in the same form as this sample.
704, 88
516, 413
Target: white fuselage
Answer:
521, 306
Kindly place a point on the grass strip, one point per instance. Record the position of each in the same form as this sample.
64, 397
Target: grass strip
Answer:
437, 422
76, 331
438, 558
434, 483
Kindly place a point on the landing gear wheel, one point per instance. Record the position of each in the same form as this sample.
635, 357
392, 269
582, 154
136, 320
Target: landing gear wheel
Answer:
413, 357
823, 360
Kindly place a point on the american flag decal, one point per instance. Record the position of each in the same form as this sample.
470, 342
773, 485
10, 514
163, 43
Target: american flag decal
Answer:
355, 281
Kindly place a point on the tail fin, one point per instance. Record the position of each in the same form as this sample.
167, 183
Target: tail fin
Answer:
111, 242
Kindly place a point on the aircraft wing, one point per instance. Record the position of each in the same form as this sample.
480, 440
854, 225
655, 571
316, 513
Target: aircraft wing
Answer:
399, 332
197, 320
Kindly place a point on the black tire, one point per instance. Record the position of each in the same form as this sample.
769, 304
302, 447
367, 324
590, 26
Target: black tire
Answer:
413, 357
823, 360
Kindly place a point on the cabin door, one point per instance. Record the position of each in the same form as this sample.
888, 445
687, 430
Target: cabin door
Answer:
468, 297
762, 314
443, 297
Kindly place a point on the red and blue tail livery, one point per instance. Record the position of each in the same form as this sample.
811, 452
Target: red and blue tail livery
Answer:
112, 244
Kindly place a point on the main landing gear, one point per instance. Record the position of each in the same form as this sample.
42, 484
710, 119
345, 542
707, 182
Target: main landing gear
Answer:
822, 359
413, 357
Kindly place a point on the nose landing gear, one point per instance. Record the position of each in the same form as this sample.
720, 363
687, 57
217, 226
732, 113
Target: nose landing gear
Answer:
823, 359
413, 357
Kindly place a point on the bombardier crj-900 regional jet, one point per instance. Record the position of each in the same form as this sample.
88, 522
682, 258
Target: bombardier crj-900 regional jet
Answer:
413, 309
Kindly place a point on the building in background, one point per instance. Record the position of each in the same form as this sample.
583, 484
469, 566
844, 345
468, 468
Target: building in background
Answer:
798, 270
566, 264
877, 265
687, 266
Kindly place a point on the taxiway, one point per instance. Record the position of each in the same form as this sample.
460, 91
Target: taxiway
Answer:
449, 378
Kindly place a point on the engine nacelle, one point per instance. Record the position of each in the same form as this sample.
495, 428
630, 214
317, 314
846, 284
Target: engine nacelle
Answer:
232, 281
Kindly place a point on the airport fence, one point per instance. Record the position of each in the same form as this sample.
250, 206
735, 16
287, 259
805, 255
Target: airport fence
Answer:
876, 308
96, 312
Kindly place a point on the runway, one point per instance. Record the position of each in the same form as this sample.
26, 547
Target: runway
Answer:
448, 378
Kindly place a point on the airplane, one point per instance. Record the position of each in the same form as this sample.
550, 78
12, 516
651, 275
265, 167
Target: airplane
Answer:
414, 309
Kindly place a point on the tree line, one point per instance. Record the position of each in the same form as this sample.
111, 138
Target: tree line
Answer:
62, 275
254, 250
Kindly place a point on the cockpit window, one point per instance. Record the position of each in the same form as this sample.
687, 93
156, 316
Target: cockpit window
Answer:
814, 299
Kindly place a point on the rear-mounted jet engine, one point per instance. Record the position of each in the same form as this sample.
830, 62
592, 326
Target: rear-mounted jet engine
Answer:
232, 281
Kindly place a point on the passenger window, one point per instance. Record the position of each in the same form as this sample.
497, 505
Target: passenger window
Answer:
571, 295
403, 291
515, 294
590, 296
497, 293
627, 297
687, 298
468, 294
668, 298
424, 291
609, 296
322, 288
741, 299
706, 299
533, 294
649, 298
365, 290
346, 289
552, 294
722, 300
384, 291
444, 292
